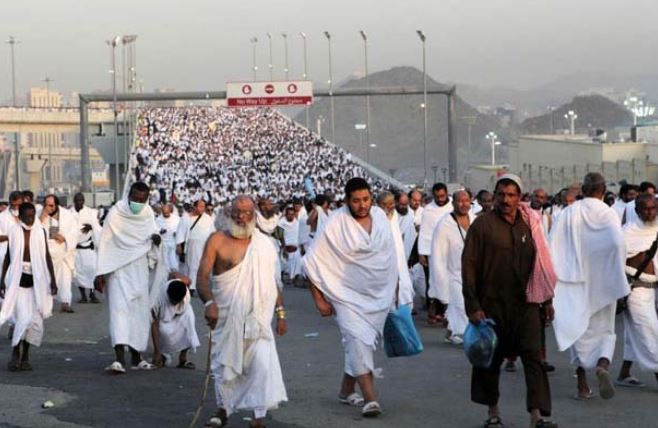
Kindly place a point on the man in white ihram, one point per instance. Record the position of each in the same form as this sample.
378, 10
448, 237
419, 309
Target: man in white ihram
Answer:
168, 224
353, 271
640, 319
85, 254
62, 229
239, 309
193, 232
446, 264
129, 234
587, 246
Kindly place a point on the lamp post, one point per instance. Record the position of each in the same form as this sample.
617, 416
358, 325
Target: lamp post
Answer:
331, 87
493, 141
303, 35
571, 116
17, 150
435, 169
365, 59
271, 65
424, 106
12, 42
113, 44
360, 127
286, 70
128, 51
551, 109
254, 66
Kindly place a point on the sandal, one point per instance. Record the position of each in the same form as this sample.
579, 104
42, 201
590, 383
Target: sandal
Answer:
493, 422
580, 397
543, 423
630, 382
115, 368
14, 366
144, 365
186, 365
354, 399
219, 420
26, 366
371, 410
606, 389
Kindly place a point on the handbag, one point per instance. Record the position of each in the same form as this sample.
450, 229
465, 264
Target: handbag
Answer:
401, 338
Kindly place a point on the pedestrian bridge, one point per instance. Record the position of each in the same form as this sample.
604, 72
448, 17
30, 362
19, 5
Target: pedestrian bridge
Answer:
34, 119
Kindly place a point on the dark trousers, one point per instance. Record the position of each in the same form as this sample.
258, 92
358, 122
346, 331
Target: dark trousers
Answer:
519, 333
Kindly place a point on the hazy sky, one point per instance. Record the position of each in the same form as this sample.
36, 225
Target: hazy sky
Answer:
197, 45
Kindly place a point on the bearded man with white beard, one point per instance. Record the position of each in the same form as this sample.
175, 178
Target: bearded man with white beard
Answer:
240, 305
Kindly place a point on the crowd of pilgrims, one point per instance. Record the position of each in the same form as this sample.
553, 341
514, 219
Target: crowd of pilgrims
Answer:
217, 153
446, 244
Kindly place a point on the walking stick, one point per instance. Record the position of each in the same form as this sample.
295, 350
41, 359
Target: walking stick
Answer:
206, 382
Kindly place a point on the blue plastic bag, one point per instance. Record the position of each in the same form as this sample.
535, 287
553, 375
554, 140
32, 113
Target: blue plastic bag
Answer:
400, 336
480, 342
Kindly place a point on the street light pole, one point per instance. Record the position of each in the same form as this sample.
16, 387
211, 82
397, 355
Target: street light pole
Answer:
286, 70
254, 41
365, 51
113, 44
305, 73
492, 137
422, 37
269, 37
571, 116
13, 42
331, 88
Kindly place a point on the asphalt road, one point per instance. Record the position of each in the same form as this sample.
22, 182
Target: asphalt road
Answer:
431, 389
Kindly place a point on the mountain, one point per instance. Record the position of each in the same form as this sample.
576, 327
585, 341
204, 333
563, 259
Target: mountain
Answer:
396, 125
594, 111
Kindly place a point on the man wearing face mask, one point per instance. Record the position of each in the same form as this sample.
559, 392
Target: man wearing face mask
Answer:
28, 278
62, 230
128, 234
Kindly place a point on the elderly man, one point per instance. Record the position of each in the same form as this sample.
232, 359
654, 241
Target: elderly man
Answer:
28, 278
506, 274
266, 216
405, 294
407, 226
416, 206
63, 231
191, 236
640, 319
168, 224
128, 236
85, 251
432, 214
353, 270
239, 308
587, 245
446, 266
627, 193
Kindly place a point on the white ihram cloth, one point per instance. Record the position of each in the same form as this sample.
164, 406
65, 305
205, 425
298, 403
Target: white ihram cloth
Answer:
26, 308
357, 272
408, 230
123, 256
7, 220
175, 322
587, 246
170, 225
266, 225
244, 357
431, 216
304, 228
293, 265
631, 215
619, 207
195, 241
640, 320
418, 216
405, 287
446, 270
321, 222
63, 254
85, 259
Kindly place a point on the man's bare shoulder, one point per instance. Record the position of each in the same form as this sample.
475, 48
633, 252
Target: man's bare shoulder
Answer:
218, 238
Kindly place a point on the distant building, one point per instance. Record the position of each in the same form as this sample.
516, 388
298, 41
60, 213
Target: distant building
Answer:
45, 98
